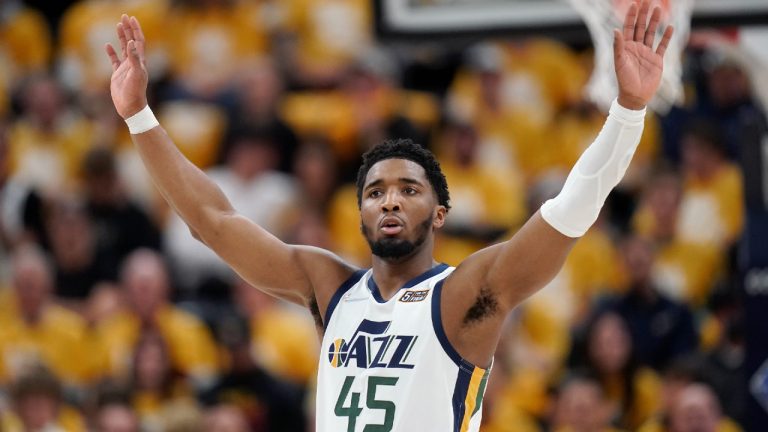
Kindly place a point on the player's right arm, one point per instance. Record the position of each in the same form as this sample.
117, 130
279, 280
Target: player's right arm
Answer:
299, 274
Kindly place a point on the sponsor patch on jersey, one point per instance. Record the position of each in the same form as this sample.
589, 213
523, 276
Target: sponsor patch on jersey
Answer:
414, 296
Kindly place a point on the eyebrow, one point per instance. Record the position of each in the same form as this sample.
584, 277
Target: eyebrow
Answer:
407, 180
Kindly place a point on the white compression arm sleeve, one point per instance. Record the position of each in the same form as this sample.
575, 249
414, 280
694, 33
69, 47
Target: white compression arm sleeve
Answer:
597, 171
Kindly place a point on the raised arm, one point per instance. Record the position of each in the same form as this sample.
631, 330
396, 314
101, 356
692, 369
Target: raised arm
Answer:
297, 273
498, 278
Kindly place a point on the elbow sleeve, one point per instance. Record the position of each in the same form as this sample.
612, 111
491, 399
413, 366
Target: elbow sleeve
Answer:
596, 173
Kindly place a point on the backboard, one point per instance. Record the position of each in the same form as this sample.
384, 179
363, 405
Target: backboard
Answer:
431, 19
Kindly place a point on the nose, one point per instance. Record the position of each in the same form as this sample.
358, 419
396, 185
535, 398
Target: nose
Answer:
391, 203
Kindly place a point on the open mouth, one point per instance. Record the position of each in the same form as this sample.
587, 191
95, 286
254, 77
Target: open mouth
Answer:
391, 226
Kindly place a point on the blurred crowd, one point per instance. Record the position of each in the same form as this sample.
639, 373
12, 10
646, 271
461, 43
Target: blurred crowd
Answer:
113, 318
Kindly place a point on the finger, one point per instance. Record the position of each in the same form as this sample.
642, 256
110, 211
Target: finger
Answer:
138, 37
618, 45
112, 56
127, 27
123, 41
642, 20
136, 27
650, 35
133, 54
665, 41
629, 22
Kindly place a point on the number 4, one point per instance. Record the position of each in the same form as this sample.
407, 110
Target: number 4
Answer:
354, 410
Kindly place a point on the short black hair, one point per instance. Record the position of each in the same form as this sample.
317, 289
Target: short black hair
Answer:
708, 134
409, 150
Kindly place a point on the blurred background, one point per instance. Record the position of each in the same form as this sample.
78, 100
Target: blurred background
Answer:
113, 318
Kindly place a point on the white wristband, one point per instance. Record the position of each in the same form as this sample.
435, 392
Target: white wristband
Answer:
142, 121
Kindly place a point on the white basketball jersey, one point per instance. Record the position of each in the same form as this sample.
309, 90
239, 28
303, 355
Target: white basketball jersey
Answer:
388, 366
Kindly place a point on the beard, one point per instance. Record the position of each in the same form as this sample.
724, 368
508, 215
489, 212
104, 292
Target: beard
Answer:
394, 248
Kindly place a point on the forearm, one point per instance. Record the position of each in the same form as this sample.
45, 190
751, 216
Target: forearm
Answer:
596, 173
184, 186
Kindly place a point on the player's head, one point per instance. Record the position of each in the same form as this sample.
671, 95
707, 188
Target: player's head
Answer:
402, 195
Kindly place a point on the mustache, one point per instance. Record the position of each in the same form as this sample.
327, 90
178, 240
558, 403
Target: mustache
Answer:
393, 248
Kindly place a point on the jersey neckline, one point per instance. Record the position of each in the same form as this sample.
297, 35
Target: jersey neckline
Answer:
376, 292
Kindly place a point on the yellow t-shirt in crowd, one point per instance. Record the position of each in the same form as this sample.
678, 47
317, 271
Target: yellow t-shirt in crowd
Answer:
192, 348
61, 340
712, 210
647, 397
25, 48
656, 425
68, 420
336, 115
49, 160
344, 227
285, 343
88, 25
329, 33
538, 78
196, 128
208, 45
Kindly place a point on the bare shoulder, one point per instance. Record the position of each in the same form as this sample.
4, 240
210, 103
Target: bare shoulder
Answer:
326, 272
468, 285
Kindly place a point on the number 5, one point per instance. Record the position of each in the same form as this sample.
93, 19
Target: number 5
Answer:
354, 409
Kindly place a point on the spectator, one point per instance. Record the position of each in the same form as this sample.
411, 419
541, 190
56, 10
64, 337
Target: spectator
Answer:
581, 407
712, 207
316, 171
253, 185
145, 281
661, 329
49, 139
605, 351
80, 60
694, 408
212, 40
156, 386
38, 404
26, 47
225, 418
683, 269
79, 266
260, 91
116, 417
120, 225
326, 36
283, 339
268, 403
35, 330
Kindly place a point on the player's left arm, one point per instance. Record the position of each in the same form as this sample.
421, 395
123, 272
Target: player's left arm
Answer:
496, 279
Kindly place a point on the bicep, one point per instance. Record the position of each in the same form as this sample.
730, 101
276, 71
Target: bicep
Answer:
528, 261
294, 273
515, 269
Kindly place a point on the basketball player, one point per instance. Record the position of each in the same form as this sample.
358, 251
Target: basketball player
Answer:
408, 344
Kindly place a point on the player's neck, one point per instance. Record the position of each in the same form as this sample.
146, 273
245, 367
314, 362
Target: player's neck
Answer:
391, 275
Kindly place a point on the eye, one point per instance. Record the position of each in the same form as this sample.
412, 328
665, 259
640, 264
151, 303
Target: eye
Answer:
374, 193
410, 191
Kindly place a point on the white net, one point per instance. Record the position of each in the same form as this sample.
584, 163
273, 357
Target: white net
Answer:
602, 16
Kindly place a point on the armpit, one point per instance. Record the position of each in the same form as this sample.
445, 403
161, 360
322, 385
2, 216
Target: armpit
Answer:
485, 305
315, 310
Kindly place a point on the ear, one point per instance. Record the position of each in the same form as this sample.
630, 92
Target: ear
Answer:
439, 219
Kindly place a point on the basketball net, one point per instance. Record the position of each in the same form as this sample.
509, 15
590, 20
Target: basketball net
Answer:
602, 16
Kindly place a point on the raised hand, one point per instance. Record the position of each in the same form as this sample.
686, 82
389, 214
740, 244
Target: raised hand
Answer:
129, 72
638, 66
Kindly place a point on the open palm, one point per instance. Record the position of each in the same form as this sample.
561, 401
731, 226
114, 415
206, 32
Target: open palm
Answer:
638, 66
129, 73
